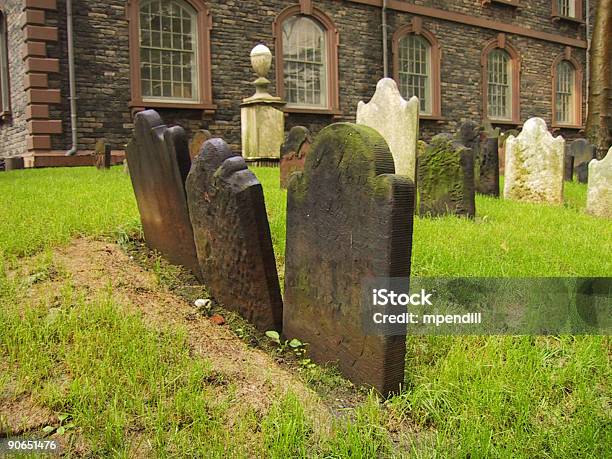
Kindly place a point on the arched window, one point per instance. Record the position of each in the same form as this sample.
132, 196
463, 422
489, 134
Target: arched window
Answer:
416, 62
566, 91
170, 57
306, 60
5, 106
501, 75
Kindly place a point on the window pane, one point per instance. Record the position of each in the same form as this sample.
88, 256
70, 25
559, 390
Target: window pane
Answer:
566, 8
415, 70
565, 93
499, 76
304, 61
168, 60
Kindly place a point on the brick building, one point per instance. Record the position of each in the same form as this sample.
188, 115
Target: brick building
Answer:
501, 60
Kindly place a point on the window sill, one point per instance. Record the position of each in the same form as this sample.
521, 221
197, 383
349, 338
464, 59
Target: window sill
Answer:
439, 118
567, 126
313, 111
514, 3
515, 123
558, 18
208, 108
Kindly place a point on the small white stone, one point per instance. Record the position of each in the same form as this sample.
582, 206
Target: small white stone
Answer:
397, 120
534, 164
599, 192
202, 303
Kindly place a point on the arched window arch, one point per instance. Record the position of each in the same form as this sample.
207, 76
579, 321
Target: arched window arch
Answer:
566, 91
306, 44
5, 99
501, 81
170, 54
416, 66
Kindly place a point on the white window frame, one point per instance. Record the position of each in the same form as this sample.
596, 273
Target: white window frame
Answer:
571, 106
509, 85
428, 109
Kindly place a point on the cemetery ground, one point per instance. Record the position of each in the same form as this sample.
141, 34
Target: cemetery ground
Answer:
101, 348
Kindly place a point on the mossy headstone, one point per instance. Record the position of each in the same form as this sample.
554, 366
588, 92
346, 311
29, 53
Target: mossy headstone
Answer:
293, 152
158, 160
534, 165
232, 235
445, 178
349, 218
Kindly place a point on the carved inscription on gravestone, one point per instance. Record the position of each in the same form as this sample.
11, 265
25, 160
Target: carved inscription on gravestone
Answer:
445, 178
158, 159
232, 235
349, 217
293, 152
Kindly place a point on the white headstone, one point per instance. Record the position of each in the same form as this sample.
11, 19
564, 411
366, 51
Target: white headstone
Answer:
397, 120
534, 164
599, 192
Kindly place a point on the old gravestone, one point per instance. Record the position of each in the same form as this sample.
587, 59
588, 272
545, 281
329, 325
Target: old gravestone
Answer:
445, 178
582, 152
484, 146
198, 139
534, 165
102, 155
232, 235
568, 164
293, 152
349, 217
158, 160
599, 191
397, 120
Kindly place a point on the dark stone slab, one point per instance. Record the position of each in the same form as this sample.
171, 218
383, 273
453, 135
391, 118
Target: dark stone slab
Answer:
293, 152
349, 218
232, 235
158, 159
102, 155
197, 141
485, 150
582, 152
12, 163
445, 177
568, 164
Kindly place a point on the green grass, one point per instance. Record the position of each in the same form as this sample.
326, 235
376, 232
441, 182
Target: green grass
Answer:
464, 396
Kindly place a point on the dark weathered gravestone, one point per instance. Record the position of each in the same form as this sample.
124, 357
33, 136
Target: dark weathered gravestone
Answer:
349, 218
582, 152
12, 163
232, 235
158, 160
293, 152
568, 164
102, 155
198, 139
484, 146
445, 178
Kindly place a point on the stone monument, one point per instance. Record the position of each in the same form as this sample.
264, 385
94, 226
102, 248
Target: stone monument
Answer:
397, 120
599, 191
232, 235
349, 218
198, 139
445, 178
293, 152
158, 160
582, 152
263, 123
534, 165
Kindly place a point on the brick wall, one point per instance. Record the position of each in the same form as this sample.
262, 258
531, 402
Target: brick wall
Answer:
102, 64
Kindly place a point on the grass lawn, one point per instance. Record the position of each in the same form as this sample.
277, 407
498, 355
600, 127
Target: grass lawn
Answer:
123, 383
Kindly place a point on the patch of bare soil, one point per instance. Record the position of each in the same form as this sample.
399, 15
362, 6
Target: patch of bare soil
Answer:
94, 265
22, 415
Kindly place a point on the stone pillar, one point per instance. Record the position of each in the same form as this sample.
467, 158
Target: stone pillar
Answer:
263, 124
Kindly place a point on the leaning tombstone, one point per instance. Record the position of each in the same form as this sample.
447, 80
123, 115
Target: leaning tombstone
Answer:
293, 152
197, 141
158, 160
445, 179
349, 218
397, 120
582, 152
102, 155
534, 165
232, 235
599, 191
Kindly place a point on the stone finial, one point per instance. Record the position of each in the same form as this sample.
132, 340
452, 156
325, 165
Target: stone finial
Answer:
261, 60
599, 192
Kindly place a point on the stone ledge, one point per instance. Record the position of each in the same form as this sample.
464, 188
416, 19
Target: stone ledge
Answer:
57, 158
41, 4
45, 127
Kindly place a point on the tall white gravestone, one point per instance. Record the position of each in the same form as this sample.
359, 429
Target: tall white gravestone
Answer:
263, 124
534, 165
397, 120
599, 192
